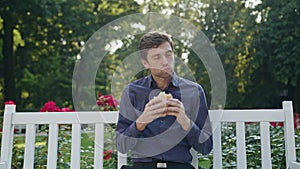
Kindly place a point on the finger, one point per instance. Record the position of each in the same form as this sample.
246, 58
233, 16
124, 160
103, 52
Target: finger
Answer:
159, 107
159, 110
150, 115
156, 104
175, 100
162, 115
173, 109
174, 103
170, 113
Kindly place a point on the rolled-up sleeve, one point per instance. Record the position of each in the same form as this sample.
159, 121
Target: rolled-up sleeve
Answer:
200, 134
126, 132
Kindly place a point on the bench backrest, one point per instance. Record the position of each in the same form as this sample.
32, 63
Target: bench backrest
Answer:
264, 117
53, 119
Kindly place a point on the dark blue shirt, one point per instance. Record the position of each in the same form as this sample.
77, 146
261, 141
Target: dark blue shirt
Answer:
163, 139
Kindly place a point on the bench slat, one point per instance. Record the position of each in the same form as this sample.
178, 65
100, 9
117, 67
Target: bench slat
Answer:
289, 132
258, 115
241, 147
217, 150
265, 145
52, 146
294, 165
3, 165
122, 159
7, 135
88, 117
99, 145
29, 146
76, 146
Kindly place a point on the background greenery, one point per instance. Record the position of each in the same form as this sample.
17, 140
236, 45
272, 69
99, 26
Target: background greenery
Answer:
258, 45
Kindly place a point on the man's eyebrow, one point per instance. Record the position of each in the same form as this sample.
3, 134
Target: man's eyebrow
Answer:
156, 54
160, 53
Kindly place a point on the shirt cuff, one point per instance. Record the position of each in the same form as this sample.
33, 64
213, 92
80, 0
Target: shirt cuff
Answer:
194, 132
199, 134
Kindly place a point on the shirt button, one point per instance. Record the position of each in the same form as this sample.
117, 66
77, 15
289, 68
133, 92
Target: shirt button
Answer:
161, 122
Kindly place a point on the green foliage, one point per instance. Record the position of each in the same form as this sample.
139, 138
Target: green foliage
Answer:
48, 36
258, 46
277, 32
276, 42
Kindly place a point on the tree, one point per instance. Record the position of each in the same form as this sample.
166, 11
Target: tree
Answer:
53, 33
277, 48
8, 18
41, 41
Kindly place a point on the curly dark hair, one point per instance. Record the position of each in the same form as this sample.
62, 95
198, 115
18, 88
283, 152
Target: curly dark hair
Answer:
153, 40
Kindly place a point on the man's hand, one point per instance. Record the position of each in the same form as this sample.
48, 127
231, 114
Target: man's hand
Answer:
154, 109
176, 108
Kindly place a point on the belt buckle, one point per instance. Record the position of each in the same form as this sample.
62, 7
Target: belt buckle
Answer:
161, 165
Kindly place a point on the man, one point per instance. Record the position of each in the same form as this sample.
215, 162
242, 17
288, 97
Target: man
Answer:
159, 131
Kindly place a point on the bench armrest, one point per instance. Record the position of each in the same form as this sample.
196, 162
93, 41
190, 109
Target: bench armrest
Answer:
2, 165
294, 165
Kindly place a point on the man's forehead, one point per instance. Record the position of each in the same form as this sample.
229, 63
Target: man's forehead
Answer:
164, 47
160, 50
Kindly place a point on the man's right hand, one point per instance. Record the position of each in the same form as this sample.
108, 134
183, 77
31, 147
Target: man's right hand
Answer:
154, 109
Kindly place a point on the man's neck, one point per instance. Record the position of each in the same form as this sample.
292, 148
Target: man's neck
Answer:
162, 83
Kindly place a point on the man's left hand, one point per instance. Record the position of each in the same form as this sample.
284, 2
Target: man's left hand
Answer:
176, 108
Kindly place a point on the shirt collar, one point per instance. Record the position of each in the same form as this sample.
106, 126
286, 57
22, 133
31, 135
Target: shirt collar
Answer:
174, 81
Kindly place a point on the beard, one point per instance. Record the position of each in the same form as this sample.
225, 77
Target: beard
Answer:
162, 73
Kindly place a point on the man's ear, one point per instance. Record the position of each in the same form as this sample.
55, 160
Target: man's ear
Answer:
145, 63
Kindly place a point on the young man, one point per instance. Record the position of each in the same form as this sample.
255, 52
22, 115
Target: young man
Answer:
160, 131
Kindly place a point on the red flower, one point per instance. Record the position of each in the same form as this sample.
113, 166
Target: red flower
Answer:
111, 101
106, 102
106, 154
296, 122
15, 130
10, 102
66, 109
273, 124
50, 107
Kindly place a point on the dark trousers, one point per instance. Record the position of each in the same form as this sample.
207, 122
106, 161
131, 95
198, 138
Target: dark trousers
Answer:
179, 166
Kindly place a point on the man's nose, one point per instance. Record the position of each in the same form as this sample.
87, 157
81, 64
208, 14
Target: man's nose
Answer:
164, 60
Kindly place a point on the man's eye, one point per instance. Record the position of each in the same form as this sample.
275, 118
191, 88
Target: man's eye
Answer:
156, 56
169, 54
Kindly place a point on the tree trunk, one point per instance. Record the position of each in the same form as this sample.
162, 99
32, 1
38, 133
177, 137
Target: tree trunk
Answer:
297, 99
9, 71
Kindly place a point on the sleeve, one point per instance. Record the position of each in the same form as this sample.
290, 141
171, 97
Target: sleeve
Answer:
126, 132
200, 134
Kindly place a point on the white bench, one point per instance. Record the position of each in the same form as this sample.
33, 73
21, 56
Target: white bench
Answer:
31, 119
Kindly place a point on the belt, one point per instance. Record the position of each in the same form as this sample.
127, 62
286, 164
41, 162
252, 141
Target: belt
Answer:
157, 164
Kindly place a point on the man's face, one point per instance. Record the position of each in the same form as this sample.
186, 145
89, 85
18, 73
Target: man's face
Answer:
160, 60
